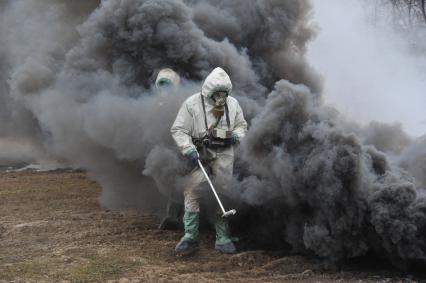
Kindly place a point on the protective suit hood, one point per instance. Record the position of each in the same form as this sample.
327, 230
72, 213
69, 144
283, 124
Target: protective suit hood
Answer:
169, 76
217, 80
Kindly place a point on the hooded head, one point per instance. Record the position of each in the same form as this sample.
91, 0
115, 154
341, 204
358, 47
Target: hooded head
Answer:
217, 81
167, 78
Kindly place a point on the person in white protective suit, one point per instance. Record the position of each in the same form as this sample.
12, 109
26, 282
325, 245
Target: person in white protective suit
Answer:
207, 127
167, 82
166, 79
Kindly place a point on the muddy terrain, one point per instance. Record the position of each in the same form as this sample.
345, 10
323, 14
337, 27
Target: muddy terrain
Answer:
52, 229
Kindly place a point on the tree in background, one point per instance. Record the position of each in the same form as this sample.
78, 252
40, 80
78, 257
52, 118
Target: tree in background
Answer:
406, 17
414, 10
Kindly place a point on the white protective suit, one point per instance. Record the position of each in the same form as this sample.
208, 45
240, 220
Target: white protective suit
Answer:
190, 123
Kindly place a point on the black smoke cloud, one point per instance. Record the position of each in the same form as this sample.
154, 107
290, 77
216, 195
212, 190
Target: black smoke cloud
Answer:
338, 197
79, 75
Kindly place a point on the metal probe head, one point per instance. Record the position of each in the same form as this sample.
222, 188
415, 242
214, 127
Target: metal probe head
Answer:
229, 213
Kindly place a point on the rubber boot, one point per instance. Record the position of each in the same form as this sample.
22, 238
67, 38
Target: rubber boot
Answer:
189, 242
223, 243
171, 221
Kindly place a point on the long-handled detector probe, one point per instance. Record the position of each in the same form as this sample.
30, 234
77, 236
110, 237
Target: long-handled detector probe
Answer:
225, 213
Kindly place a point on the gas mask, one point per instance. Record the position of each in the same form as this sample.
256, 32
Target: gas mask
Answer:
219, 98
163, 87
163, 83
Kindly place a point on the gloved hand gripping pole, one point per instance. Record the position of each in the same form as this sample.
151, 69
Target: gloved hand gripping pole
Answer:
225, 213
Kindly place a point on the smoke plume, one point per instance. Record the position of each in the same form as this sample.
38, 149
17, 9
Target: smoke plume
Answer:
76, 80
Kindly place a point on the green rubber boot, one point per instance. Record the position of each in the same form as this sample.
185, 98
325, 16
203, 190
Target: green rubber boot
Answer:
223, 243
189, 242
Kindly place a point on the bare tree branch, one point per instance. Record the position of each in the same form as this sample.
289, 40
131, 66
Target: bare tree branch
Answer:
423, 9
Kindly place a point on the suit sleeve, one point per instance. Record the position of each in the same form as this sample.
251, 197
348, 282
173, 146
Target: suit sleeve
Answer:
240, 125
181, 130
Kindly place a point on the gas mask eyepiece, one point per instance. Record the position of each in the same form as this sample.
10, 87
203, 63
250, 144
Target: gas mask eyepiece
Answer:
162, 84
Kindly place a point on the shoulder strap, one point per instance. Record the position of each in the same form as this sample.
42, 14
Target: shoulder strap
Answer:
227, 116
204, 110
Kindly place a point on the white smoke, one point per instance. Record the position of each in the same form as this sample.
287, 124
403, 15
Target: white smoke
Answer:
371, 70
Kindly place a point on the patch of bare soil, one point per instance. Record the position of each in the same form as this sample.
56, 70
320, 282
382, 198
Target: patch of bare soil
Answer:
52, 229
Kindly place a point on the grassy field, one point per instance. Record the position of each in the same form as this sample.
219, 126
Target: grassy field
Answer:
52, 229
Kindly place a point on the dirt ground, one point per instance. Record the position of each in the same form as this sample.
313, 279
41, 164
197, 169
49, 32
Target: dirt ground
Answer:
52, 229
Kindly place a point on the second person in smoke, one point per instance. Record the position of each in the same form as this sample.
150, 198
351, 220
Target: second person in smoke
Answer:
166, 83
207, 127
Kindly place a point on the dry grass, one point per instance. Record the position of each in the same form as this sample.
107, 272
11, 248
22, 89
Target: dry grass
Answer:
52, 229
